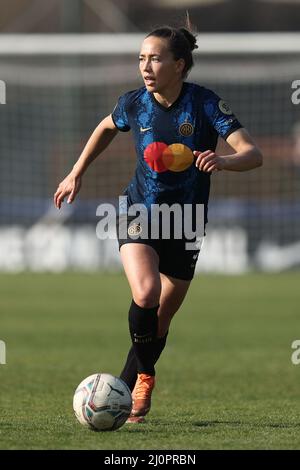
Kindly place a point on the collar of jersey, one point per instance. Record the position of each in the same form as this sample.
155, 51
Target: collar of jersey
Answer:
173, 104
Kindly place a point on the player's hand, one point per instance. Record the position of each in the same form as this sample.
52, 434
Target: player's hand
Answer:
208, 161
70, 186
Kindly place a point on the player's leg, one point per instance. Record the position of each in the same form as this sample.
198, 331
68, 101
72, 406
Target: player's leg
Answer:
172, 295
177, 266
173, 259
173, 292
140, 263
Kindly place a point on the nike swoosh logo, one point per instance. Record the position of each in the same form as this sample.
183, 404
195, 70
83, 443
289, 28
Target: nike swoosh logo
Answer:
144, 129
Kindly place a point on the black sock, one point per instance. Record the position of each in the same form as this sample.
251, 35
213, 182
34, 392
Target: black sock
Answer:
129, 372
143, 325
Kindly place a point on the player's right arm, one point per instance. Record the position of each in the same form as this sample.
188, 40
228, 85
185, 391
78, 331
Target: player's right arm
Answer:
99, 140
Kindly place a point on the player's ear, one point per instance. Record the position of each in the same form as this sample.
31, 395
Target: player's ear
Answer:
180, 64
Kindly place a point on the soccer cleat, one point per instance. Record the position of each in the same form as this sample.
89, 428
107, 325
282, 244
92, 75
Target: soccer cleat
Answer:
141, 395
135, 419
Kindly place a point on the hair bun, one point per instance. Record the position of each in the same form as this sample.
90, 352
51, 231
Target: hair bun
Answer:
192, 40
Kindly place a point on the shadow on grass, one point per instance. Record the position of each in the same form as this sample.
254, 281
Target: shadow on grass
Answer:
156, 425
206, 424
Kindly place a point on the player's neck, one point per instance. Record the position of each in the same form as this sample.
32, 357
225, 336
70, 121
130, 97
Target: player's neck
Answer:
169, 96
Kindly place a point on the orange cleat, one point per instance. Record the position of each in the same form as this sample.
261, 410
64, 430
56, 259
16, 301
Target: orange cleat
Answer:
141, 396
135, 419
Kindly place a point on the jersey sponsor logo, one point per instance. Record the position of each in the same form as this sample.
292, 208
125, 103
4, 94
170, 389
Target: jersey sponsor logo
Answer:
145, 129
186, 129
134, 229
161, 157
224, 107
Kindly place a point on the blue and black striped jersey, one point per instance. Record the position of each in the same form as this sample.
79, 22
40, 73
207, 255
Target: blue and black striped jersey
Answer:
165, 139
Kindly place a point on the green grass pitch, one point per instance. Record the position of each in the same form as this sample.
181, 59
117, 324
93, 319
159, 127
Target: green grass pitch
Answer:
225, 380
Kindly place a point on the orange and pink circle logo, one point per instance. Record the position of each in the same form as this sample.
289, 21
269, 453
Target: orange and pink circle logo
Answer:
162, 157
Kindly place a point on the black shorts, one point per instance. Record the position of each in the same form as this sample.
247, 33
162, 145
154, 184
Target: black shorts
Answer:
175, 259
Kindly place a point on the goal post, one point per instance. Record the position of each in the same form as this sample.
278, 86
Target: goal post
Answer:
58, 88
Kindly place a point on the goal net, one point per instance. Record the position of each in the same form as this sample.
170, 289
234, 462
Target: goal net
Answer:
58, 88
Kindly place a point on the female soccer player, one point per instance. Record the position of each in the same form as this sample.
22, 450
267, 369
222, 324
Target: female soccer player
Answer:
175, 125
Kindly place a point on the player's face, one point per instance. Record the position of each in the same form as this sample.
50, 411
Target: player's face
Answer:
158, 67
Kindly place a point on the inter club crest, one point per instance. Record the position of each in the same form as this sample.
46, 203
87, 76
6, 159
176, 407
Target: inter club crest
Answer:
186, 129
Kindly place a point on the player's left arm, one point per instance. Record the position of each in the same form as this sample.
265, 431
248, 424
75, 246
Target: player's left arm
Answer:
246, 157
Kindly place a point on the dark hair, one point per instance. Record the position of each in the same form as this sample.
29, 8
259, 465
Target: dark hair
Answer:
181, 43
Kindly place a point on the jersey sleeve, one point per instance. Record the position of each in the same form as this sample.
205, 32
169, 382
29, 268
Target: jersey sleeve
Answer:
119, 114
220, 115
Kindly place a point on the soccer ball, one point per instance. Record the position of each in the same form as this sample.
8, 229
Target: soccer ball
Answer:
102, 402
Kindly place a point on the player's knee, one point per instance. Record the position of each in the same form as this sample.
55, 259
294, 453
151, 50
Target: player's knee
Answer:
146, 295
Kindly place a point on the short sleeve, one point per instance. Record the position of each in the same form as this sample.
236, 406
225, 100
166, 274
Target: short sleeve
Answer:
220, 115
119, 115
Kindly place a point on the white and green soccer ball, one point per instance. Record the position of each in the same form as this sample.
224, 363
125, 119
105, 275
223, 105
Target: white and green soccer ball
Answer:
102, 402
